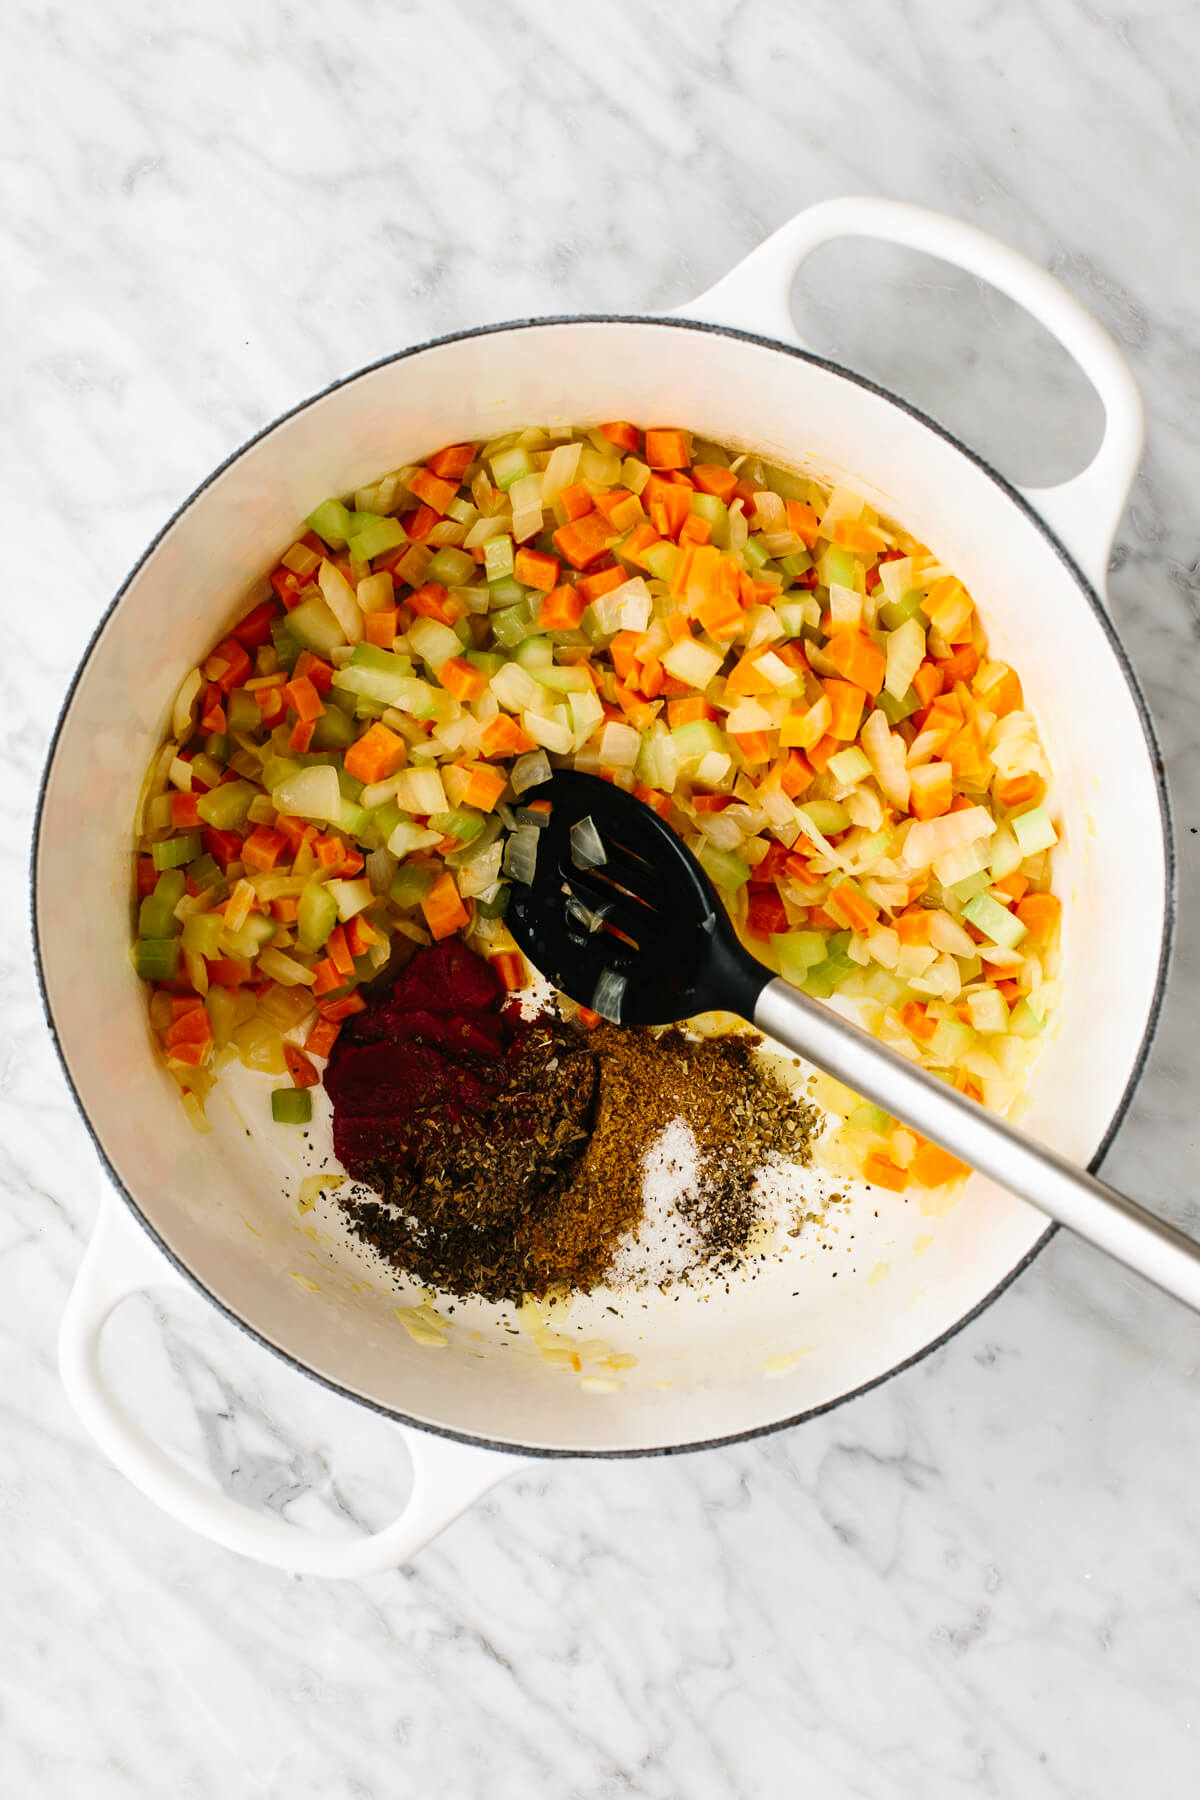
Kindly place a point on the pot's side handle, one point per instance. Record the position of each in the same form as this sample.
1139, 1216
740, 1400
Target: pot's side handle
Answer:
121, 1260
1083, 512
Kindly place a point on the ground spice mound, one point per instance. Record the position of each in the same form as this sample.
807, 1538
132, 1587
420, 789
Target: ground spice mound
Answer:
498, 1156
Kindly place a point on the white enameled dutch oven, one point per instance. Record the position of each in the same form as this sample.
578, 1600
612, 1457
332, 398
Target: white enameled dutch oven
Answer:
212, 1209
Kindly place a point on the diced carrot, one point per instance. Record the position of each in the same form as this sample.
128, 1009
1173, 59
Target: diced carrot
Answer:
319, 672
847, 701
334, 1011
755, 746
640, 539
272, 706
585, 539
999, 690
661, 803
503, 736
575, 500
322, 1037
255, 629
182, 1004
263, 848
451, 463
928, 683
803, 521
183, 811
621, 433
443, 908
745, 678
695, 530
212, 713
591, 587
853, 534
462, 679
711, 478
588, 1018
226, 971
670, 510
933, 1167
229, 665
190, 1056
535, 569
191, 1027
1015, 885
686, 712
286, 909
961, 666
303, 698
301, 735
338, 951
912, 927
433, 602
288, 585
678, 627
147, 876
299, 1068
377, 754
623, 654
326, 977
562, 608
931, 791
766, 913
881, 1171
796, 773
819, 753
432, 490
667, 449
858, 659
484, 787
967, 755
295, 831
510, 967
1016, 790
847, 902
721, 617
379, 628
361, 934
610, 499
711, 803
1039, 913
419, 524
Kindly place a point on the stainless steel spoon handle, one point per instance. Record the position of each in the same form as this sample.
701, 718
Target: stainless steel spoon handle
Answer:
990, 1145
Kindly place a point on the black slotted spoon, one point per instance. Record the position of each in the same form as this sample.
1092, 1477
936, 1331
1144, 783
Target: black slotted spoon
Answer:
649, 917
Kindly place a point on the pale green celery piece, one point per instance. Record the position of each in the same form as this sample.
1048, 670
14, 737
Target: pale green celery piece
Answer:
385, 662
709, 507
242, 712
995, 921
785, 484
352, 818
174, 852
156, 914
205, 872
226, 806
278, 769
1034, 831
498, 557
661, 559
412, 882
870, 1118
221, 1004
535, 653
505, 592
697, 738
291, 1105
829, 816
966, 890
723, 867
451, 567
894, 710
512, 625
200, 933
156, 959
798, 951
287, 647
487, 660
756, 554
509, 466
316, 915
951, 1041
376, 536
314, 627
461, 822
334, 730
840, 566
332, 522
562, 680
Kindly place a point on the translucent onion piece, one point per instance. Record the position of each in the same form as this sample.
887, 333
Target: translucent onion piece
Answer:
530, 770
587, 849
520, 854
610, 992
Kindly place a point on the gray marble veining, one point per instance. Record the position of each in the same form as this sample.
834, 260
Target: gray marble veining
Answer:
982, 1579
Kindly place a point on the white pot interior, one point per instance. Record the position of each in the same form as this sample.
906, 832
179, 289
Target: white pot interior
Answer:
826, 1320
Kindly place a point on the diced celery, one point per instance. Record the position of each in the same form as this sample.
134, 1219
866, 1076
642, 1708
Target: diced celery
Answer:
451, 567
820, 981
222, 1006
870, 1118
332, 522
535, 653
487, 660
334, 730
287, 647
413, 881
316, 915
216, 746
157, 959
291, 1105
174, 852
970, 885
385, 662
205, 871
385, 819
895, 710
433, 642
248, 940
1033, 831
201, 931
241, 710
798, 563
798, 952
893, 613
697, 739
375, 536
710, 508
841, 567
351, 819
314, 627
498, 557
512, 625
995, 921
226, 806
505, 592
1026, 1021
755, 554
495, 905
785, 484
661, 560
461, 822
723, 867
562, 680
278, 769
509, 466
829, 816
156, 914
792, 616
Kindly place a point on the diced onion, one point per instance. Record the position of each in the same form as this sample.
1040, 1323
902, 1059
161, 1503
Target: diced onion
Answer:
520, 854
530, 770
609, 994
587, 847
311, 793
342, 601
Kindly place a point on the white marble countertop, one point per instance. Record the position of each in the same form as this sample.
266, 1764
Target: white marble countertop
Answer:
981, 1579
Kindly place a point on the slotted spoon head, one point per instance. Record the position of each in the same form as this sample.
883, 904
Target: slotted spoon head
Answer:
663, 928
